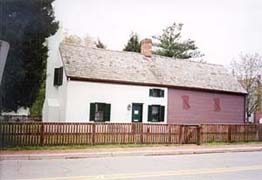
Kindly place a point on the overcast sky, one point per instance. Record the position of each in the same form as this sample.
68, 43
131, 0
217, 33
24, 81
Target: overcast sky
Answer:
222, 29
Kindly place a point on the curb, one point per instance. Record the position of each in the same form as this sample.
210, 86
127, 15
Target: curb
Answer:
127, 153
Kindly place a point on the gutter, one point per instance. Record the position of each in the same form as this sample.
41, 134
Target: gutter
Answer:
75, 78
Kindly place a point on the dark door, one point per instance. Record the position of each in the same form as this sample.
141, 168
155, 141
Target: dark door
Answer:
137, 112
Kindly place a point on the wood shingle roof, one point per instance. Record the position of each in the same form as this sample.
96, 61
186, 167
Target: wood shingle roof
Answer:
92, 63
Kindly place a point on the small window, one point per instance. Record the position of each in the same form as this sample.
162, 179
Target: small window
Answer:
156, 113
156, 93
58, 76
186, 104
100, 112
217, 107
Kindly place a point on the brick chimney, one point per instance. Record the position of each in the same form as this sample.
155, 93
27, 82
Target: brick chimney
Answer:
146, 47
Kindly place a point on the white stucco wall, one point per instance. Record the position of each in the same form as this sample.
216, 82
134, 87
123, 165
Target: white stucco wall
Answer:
71, 101
80, 94
55, 96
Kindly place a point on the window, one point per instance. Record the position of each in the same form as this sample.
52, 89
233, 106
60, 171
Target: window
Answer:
156, 92
186, 104
100, 112
156, 113
217, 107
58, 77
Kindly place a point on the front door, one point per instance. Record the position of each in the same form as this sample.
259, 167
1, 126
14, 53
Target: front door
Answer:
137, 112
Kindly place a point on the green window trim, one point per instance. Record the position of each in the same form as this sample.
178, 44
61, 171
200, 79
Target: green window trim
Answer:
160, 116
100, 112
162, 113
107, 112
92, 112
58, 76
156, 93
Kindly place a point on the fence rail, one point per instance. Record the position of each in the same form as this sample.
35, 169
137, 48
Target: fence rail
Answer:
42, 134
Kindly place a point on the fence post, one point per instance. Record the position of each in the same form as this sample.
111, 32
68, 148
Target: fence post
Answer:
42, 128
180, 134
199, 134
229, 134
141, 133
169, 133
133, 133
257, 132
2, 132
93, 133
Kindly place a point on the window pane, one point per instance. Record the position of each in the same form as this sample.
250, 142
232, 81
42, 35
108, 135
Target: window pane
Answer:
155, 113
99, 116
99, 113
156, 92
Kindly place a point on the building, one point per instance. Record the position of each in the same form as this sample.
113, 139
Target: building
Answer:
90, 84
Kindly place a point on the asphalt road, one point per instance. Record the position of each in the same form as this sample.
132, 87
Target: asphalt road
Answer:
239, 166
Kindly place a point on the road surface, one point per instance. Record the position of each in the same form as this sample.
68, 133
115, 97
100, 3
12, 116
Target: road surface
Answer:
239, 166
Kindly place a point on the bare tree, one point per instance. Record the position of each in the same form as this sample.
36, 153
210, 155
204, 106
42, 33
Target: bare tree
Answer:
88, 41
248, 69
72, 39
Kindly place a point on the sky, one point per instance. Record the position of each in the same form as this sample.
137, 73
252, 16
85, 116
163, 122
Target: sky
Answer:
222, 29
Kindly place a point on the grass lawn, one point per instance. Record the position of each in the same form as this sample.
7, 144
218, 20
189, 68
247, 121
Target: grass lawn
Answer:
116, 146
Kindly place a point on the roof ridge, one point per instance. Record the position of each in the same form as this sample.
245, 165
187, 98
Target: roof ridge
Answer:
100, 49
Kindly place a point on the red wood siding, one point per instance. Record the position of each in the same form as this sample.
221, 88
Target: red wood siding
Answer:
202, 107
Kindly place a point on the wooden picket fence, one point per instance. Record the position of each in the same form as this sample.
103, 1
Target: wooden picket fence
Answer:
43, 134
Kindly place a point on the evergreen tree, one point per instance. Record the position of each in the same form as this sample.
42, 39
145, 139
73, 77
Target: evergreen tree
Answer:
170, 44
133, 43
25, 24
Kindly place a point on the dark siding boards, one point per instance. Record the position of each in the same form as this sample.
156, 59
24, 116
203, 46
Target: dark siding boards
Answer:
205, 107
